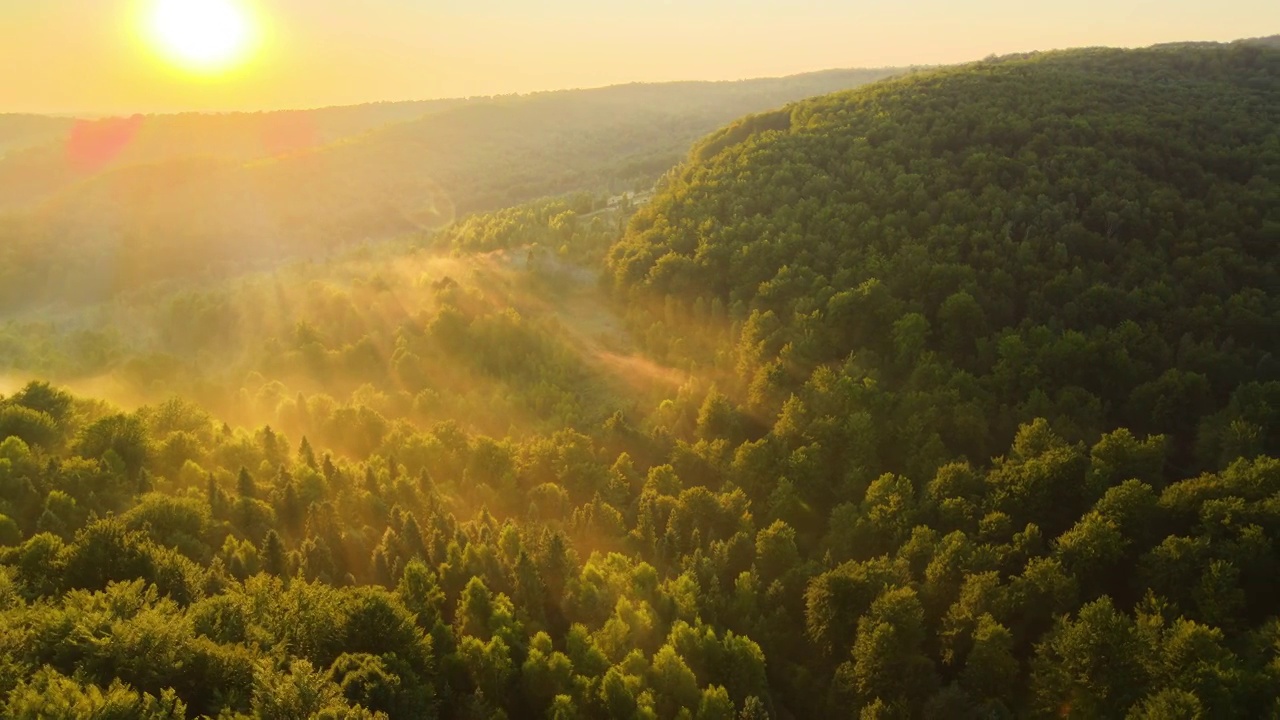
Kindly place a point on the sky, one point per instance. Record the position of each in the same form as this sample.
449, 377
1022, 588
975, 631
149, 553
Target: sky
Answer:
91, 56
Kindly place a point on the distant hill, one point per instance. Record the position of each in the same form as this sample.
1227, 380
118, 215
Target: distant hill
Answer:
498, 153
22, 131
184, 216
1268, 41
47, 154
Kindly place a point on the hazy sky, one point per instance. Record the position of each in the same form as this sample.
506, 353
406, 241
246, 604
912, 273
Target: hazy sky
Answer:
86, 55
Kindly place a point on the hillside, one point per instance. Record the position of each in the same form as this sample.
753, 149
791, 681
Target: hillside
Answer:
490, 155
952, 396
1066, 262
20, 131
1089, 237
45, 155
187, 217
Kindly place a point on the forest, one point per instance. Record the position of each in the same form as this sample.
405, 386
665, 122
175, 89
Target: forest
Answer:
956, 394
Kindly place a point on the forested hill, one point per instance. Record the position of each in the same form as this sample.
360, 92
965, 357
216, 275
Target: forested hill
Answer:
155, 213
490, 155
1089, 236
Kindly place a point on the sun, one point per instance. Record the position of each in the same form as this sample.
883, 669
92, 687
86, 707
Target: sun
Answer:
203, 36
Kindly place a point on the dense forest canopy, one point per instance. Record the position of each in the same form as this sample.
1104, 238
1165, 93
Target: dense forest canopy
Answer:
952, 396
1089, 237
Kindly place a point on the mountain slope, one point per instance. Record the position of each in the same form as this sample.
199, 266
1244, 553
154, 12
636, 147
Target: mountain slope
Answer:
1089, 236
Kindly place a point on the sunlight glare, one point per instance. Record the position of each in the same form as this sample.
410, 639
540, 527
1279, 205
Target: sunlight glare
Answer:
202, 35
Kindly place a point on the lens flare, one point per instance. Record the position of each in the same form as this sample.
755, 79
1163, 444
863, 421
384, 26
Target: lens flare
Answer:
203, 36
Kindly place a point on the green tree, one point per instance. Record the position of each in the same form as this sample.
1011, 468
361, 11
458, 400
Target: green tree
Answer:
123, 435
1092, 666
888, 662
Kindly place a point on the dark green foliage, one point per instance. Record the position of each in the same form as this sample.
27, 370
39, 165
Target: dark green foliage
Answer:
1088, 237
31, 426
119, 438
